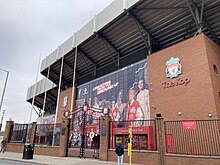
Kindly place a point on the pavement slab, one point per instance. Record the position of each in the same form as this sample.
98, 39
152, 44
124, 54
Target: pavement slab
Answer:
50, 160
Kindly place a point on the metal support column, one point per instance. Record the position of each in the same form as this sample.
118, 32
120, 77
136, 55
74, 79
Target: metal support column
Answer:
83, 138
196, 14
74, 78
35, 88
58, 96
3, 93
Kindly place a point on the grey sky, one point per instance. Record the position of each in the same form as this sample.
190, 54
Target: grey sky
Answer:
29, 28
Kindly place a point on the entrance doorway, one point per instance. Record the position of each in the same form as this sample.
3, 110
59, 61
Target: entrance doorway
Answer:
84, 137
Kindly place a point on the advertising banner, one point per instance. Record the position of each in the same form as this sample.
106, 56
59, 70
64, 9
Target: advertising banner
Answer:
123, 93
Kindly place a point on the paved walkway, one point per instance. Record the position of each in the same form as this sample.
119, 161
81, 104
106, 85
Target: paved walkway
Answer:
49, 160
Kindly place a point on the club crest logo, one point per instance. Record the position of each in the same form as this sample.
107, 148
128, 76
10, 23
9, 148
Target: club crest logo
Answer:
174, 68
65, 101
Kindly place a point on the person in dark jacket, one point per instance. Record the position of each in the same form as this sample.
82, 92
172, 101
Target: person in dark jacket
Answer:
119, 150
3, 145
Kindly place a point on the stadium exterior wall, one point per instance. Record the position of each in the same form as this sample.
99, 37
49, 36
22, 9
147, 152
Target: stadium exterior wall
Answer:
195, 95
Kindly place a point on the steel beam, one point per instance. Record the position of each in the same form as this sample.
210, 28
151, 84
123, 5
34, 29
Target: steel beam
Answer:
211, 31
161, 8
64, 80
70, 67
132, 15
202, 9
110, 53
187, 29
87, 64
106, 40
149, 43
51, 98
83, 54
138, 27
53, 73
193, 13
36, 102
200, 19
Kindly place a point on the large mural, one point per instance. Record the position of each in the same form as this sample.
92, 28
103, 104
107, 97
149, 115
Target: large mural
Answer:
124, 94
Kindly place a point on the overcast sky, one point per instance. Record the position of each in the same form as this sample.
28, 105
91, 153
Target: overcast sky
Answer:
29, 28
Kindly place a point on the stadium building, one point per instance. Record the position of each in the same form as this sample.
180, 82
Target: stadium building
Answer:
150, 64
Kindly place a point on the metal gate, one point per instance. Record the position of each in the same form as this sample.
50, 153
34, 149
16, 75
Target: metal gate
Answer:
84, 138
20, 133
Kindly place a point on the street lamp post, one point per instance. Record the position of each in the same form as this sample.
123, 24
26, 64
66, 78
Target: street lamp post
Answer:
3, 113
6, 80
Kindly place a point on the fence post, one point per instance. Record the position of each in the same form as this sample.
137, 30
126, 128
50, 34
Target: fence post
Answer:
32, 133
160, 139
104, 137
8, 129
64, 133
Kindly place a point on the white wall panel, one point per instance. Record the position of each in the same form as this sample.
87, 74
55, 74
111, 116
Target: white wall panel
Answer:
43, 65
109, 13
41, 86
131, 3
51, 58
68, 45
84, 33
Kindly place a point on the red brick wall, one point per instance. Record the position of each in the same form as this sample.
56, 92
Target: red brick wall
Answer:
60, 112
213, 53
46, 151
8, 128
138, 157
193, 100
38, 150
18, 148
104, 138
73, 152
63, 138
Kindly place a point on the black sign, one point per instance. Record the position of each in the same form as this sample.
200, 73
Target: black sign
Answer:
103, 130
63, 130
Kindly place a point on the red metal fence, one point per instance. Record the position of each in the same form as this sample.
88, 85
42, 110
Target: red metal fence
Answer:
194, 137
47, 134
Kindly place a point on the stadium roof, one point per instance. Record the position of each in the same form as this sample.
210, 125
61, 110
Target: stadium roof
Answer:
127, 31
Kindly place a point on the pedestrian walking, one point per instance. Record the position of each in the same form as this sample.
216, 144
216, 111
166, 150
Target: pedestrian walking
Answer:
119, 150
3, 145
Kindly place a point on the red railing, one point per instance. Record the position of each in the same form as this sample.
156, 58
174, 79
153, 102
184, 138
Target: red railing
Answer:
194, 137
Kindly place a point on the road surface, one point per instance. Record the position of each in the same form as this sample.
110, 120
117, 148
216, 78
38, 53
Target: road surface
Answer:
14, 162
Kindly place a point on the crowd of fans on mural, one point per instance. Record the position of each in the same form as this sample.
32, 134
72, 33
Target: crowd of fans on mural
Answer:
136, 108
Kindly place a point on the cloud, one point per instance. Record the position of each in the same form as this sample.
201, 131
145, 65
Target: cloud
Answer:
30, 28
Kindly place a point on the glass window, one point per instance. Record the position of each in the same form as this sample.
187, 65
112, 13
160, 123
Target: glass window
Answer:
215, 69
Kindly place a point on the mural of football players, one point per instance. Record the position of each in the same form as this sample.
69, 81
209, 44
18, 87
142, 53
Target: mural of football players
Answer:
77, 120
96, 110
96, 103
114, 112
143, 99
120, 105
134, 111
89, 111
74, 138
